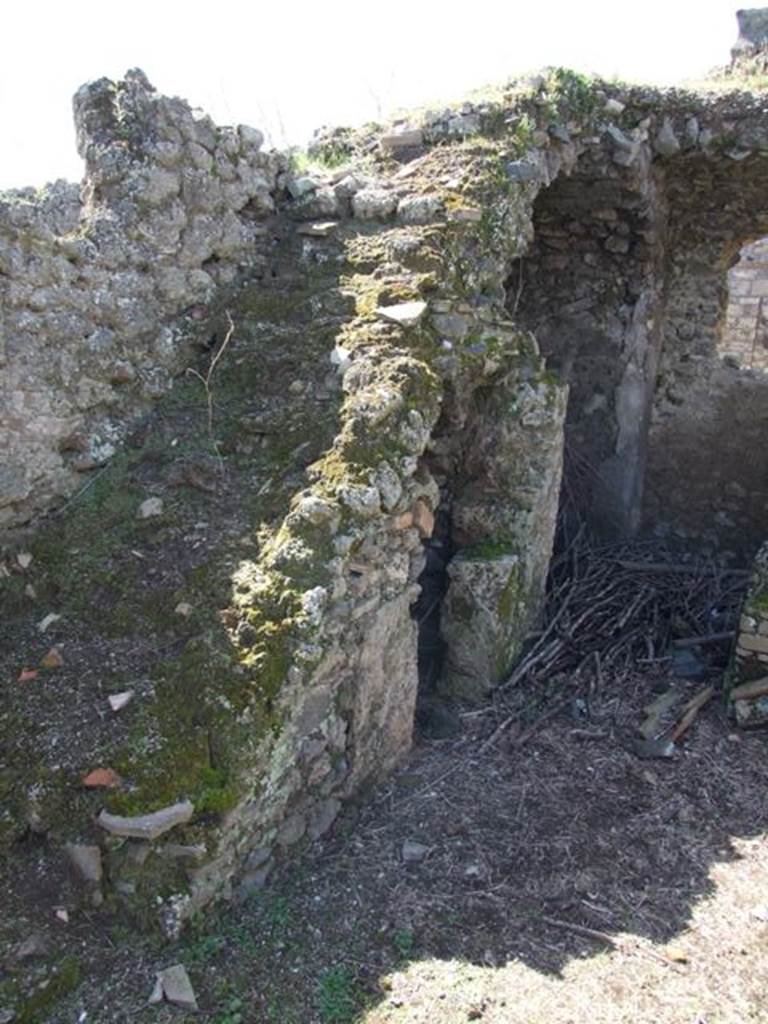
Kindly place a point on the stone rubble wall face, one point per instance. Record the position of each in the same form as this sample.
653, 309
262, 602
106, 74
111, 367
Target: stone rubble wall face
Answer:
589, 288
708, 465
91, 278
625, 288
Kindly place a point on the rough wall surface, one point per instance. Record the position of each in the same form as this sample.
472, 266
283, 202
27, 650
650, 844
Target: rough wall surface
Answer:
708, 468
382, 375
625, 287
91, 278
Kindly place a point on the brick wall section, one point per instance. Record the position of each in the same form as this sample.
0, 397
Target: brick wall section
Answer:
745, 331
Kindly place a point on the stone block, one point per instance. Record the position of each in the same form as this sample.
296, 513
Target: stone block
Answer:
753, 644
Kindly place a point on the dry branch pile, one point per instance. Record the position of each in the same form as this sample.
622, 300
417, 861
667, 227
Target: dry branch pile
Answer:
627, 606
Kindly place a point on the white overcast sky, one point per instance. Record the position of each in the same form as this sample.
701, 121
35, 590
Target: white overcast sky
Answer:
288, 67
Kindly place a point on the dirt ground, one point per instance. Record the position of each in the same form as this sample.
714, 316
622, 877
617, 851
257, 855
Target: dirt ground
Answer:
558, 878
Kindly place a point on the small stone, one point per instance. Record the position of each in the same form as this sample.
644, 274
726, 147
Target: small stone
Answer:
253, 881
616, 244
348, 185
373, 204
322, 817
52, 659
666, 142
24, 558
751, 713
117, 701
626, 157
614, 106
453, 326
320, 229
407, 314
86, 860
619, 137
466, 215
413, 852
299, 187
341, 358
754, 643
423, 518
176, 851
403, 139
35, 946
184, 609
150, 508
291, 830
522, 171
560, 132
404, 521
296, 387
156, 995
251, 137
257, 858
419, 209
6, 1016
750, 689
147, 826
48, 621
692, 132
314, 508
676, 954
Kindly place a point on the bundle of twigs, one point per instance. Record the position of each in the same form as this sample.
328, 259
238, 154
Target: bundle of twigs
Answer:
626, 606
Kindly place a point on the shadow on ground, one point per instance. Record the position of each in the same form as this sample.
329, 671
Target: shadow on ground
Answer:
529, 855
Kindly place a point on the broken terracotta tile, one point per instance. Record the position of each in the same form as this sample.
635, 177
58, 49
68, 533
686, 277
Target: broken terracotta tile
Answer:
102, 777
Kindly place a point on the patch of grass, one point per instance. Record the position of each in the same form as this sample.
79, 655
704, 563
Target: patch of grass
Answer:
203, 949
340, 999
404, 941
233, 1012
64, 981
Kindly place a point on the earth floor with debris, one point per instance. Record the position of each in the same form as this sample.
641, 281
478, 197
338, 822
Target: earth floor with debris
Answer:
539, 872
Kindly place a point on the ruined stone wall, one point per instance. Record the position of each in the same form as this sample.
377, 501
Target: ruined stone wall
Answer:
93, 277
383, 375
589, 287
708, 472
625, 286
381, 288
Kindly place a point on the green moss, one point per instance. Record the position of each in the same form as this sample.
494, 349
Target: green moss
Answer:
185, 739
757, 603
510, 599
63, 982
494, 547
